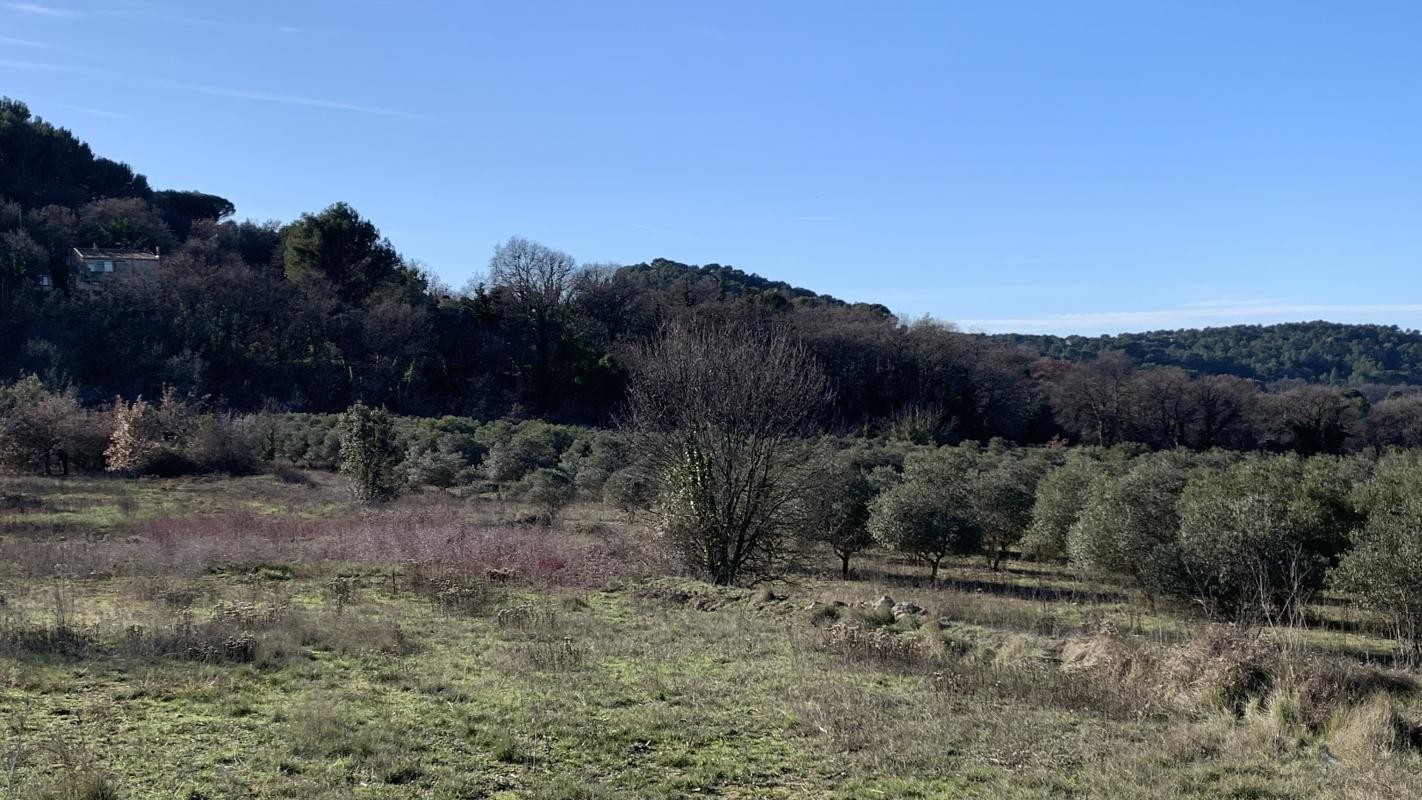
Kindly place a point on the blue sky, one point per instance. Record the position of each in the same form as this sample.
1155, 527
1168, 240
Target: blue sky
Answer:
1056, 167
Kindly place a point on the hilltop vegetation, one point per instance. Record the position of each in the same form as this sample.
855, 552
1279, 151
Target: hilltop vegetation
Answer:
813, 560
322, 312
1318, 352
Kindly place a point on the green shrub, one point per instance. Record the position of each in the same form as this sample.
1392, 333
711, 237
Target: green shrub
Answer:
548, 490
629, 490
1258, 537
368, 453
1058, 501
1384, 567
530, 446
1129, 524
929, 514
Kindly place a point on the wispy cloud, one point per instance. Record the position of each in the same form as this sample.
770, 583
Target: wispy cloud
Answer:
219, 91
151, 12
45, 47
179, 15
97, 112
40, 66
1198, 314
311, 102
30, 43
38, 10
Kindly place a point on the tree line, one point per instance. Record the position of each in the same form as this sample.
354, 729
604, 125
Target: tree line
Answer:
323, 312
721, 454
1319, 352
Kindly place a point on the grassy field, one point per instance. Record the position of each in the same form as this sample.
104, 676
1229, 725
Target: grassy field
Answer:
254, 638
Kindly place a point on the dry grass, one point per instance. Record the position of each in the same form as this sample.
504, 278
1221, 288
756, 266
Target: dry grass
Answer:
433, 649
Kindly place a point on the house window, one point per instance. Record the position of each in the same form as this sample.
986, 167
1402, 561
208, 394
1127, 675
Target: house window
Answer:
44, 280
101, 266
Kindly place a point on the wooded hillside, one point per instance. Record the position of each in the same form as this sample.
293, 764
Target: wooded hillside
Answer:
321, 312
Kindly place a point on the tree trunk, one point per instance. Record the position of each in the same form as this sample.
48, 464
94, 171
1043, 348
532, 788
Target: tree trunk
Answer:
844, 565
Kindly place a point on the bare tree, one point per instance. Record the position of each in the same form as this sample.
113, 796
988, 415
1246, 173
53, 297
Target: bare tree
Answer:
539, 282
1093, 399
1224, 410
1395, 421
1164, 407
1314, 419
719, 413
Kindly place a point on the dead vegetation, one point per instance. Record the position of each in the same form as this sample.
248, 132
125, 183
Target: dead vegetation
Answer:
538, 660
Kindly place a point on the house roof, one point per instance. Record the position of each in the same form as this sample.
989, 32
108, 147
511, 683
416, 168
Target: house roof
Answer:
112, 254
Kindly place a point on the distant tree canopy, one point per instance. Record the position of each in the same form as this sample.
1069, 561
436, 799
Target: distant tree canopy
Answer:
41, 164
1322, 352
323, 312
342, 247
181, 209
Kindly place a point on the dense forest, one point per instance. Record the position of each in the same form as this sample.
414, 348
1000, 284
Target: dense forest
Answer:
1310, 351
321, 312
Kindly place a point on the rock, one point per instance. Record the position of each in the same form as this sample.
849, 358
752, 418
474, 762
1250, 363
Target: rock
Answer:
901, 610
886, 603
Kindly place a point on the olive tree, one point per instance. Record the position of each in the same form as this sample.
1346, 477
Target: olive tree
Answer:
1057, 503
1257, 538
37, 426
1002, 497
719, 414
1383, 568
838, 515
530, 446
1382, 571
929, 513
548, 490
1129, 524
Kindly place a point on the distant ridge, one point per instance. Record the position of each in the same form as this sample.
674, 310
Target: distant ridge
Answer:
1319, 351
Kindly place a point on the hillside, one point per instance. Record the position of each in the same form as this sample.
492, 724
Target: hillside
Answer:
1323, 352
323, 311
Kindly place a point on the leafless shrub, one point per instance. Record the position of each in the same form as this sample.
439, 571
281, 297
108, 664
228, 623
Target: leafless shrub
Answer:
453, 592
874, 646
1222, 668
289, 474
19, 639
171, 592
551, 654
525, 618
340, 591
719, 412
